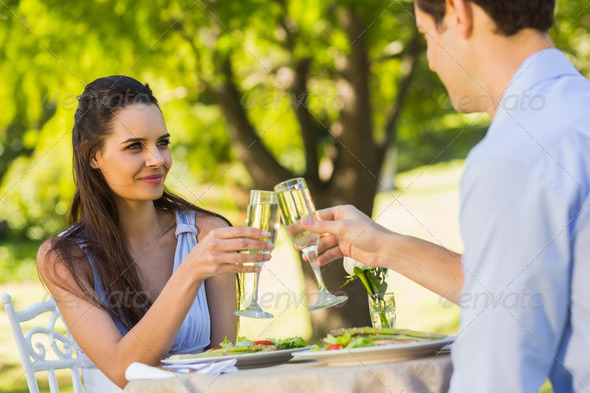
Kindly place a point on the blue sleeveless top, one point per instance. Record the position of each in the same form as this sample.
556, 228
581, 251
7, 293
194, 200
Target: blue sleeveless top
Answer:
195, 333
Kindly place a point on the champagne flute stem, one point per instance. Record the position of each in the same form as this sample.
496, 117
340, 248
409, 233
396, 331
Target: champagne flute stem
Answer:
312, 257
255, 289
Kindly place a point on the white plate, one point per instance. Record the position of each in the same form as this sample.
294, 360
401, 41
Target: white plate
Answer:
378, 354
244, 360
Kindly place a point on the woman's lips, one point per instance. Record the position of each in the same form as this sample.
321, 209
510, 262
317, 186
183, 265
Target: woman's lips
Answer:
156, 179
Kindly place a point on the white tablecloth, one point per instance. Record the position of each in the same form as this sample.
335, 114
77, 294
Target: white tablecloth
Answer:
425, 375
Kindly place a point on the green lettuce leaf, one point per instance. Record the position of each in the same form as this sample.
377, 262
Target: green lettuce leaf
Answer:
290, 343
226, 343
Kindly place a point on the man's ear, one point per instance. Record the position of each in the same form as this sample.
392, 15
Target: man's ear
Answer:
462, 14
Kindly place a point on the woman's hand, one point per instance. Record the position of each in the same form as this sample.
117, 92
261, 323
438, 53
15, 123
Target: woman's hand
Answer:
346, 231
219, 251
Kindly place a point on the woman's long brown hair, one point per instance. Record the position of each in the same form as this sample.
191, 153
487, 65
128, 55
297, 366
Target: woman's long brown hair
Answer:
93, 217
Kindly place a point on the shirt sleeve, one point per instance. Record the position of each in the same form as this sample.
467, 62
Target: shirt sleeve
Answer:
514, 302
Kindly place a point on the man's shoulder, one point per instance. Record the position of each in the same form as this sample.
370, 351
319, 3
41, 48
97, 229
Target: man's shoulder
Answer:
550, 143
551, 118
547, 98
559, 165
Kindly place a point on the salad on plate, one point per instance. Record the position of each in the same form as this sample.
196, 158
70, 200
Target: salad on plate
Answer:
361, 337
246, 346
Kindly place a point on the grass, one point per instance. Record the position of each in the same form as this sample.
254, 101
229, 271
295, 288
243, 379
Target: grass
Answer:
425, 205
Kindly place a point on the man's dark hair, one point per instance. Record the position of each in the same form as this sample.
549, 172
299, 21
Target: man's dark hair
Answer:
510, 16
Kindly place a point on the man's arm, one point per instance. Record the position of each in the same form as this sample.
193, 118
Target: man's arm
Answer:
353, 234
430, 265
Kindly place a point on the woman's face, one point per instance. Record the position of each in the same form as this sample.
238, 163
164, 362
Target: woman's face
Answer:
135, 157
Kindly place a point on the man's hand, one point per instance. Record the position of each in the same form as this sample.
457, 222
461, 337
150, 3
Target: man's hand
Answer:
346, 231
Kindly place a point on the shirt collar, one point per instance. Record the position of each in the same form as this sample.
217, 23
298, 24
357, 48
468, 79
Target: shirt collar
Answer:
538, 67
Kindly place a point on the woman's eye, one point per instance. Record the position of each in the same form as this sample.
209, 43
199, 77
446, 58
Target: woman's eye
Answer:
164, 142
134, 146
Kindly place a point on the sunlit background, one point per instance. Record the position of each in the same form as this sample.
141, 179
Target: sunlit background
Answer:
192, 54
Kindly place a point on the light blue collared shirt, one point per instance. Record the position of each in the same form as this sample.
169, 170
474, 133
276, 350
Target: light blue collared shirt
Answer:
525, 222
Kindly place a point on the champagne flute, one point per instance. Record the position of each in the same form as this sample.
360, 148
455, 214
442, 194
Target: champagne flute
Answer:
263, 213
295, 203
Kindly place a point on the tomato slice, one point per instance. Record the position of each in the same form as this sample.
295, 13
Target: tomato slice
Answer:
334, 346
263, 342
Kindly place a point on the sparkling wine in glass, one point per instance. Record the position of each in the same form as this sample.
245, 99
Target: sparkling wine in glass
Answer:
296, 203
263, 213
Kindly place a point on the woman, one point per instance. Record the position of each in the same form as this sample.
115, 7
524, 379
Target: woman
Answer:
140, 273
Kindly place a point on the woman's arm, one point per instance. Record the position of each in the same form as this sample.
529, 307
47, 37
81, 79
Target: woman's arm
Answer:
221, 292
221, 299
151, 338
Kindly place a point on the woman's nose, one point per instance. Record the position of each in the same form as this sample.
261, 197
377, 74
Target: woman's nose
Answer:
154, 158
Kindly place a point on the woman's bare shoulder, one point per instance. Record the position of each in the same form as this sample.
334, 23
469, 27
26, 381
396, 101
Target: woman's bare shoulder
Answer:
53, 265
207, 222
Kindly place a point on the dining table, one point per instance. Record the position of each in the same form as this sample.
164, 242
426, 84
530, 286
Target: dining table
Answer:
427, 374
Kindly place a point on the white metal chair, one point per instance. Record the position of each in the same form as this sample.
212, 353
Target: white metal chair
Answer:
40, 341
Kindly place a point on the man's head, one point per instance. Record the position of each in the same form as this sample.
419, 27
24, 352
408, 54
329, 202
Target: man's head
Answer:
510, 16
472, 44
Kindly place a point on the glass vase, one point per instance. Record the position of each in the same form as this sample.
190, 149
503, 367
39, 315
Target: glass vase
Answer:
382, 310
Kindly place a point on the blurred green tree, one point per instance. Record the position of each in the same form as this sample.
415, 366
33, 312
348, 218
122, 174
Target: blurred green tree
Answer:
329, 90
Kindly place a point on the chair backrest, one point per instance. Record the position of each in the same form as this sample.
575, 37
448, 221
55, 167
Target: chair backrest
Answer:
38, 342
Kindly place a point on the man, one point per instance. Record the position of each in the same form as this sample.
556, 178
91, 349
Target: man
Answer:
525, 216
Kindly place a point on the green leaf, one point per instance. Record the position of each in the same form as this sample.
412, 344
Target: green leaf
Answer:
361, 341
291, 342
363, 277
374, 281
226, 343
350, 279
343, 340
243, 342
383, 288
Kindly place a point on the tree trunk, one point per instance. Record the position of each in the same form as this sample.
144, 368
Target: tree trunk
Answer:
353, 313
388, 170
262, 166
356, 166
